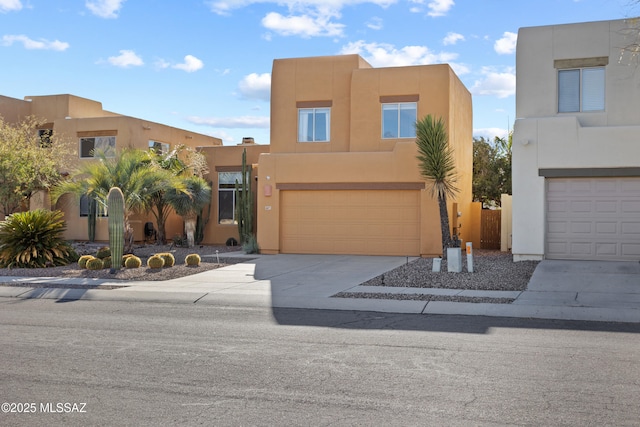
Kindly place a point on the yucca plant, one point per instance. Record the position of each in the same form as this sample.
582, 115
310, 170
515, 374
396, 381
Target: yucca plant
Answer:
34, 239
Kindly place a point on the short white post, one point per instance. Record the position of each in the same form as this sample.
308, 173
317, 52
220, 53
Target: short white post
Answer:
469, 257
437, 262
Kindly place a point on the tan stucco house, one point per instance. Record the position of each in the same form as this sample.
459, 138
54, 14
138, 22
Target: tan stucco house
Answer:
576, 143
342, 175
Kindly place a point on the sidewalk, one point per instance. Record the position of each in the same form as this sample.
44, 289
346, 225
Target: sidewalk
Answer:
569, 290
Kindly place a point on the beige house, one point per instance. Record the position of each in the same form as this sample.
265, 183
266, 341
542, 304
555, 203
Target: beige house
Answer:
576, 143
342, 175
84, 122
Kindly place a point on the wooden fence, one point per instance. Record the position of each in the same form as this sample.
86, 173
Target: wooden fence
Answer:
490, 229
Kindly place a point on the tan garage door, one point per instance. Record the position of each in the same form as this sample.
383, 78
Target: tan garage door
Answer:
593, 218
366, 222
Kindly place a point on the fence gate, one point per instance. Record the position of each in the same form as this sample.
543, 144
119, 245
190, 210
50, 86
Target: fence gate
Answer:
490, 229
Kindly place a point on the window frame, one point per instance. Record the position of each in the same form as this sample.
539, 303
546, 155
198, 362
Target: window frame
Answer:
314, 114
226, 190
399, 133
582, 100
102, 210
110, 152
164, 147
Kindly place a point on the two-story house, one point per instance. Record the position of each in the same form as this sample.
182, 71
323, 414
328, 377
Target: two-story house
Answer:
342, 175
576, 143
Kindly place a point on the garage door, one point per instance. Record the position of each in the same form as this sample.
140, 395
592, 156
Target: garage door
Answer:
367, 222
593, 218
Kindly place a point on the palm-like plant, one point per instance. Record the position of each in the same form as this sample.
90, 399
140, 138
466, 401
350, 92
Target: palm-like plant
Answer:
131, 171
188, 203
437, 167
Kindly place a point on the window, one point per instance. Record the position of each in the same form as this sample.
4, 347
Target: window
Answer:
399, 119
89, 146
314, 124
581, 89
101, 210
227, 196
45, 137
159, 147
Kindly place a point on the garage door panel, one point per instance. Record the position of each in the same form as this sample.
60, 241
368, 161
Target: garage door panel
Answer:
593, 218
377, 222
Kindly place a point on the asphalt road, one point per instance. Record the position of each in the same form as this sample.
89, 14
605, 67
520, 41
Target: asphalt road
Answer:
113, 363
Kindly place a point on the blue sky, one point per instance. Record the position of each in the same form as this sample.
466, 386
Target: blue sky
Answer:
205, 65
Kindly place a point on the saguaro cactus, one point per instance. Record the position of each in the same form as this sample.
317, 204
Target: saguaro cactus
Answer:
91, 219
115, 203
244, 203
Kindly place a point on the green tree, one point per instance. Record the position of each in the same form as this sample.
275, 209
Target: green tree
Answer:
131, 171
30, 159
188, 203
491, 170
437, 167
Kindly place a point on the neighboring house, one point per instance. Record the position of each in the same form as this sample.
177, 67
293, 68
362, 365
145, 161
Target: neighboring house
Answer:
576, 143
342, 175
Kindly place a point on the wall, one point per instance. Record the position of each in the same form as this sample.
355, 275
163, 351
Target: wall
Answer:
506, 229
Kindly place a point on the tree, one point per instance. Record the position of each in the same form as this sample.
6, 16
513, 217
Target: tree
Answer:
180, 162
131, 171
30, 159
491, 170
437, 167
188, 203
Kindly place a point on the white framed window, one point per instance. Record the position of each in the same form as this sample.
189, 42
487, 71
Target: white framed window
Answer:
314, 124
399, 120
581, 90
227, 197
159, 147
89, 146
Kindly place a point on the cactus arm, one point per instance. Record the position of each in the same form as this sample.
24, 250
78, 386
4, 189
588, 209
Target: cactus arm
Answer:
115, 202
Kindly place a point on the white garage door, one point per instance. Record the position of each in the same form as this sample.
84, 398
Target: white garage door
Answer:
365, 222
593, 218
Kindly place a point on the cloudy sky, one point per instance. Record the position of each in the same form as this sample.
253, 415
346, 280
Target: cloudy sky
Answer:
205, 65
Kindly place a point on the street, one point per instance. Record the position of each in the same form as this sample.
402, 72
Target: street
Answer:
130, 363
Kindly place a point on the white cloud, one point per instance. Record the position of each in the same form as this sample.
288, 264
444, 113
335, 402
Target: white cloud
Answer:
245, 122
497, 84
28, 43
507, 44
105, 8
386, 55
190, 64
375, 23
439, 7
10, 5
126, 59
490, 133
452, 38
302, 25
256, 86
224, 7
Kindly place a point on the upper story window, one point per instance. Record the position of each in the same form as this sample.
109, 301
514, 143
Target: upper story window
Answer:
399, 119
159, 147
314, 124
90, 145
581, 84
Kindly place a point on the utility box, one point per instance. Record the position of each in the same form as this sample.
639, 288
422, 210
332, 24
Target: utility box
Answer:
454, 260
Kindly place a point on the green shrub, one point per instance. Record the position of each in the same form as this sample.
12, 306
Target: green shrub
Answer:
34, 239
95, 264
132, 261
192, 259
155, 262
82, 261
169, 259
103, 252
251, 246
124, 258
106, 262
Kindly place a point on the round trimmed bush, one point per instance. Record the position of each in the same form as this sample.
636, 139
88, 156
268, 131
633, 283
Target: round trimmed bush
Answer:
103, 252
169, 259
192, 259
95, 264
132, 261
155, 261
106, 262
82, 261
124, 258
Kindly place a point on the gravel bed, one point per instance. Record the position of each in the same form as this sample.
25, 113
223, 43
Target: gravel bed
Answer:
422, 297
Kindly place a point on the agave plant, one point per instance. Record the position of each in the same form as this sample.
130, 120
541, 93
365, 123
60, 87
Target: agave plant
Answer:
34, 239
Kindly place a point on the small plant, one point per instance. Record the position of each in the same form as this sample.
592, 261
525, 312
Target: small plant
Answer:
34, 239
132, 261
169, 259
192, 259
95, 264
179, 241
106, 262
124, 258
251, 245
82, 261
103, 252
155, 262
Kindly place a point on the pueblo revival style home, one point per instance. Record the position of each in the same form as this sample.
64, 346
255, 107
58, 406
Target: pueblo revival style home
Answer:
576, 142
342, 176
